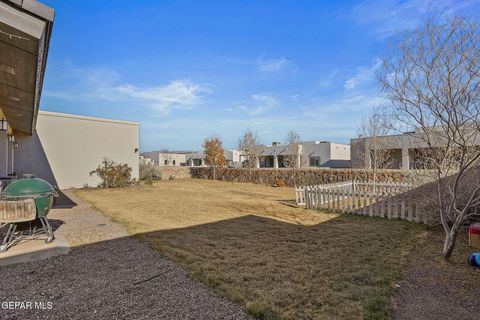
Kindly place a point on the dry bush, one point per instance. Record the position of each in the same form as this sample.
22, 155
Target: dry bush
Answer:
113, 175
280, 183
149, 171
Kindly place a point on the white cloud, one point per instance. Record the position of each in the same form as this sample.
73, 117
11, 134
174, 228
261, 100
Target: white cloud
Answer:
257, 104
272, 64
178, 94
91, 84
364, 75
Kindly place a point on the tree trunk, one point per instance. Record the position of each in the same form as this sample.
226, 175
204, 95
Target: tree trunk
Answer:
214, 175
449, 243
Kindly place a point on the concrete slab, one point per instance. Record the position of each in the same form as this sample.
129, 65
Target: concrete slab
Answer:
28, 250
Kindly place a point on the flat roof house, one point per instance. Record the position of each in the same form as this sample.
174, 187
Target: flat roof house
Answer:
166, 158
314, 154
232, 158
403, 150
60, 148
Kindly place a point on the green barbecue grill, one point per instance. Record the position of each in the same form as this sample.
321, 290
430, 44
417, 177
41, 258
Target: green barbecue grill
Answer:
24, 200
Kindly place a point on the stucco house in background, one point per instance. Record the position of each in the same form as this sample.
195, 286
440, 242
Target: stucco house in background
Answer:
60, 148
403, 150
310, 154
145, 160
232, 158
166, 158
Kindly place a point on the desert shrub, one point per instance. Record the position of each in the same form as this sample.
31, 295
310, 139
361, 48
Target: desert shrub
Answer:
280, 183
171, 178
149, 171
148, 181
113, 175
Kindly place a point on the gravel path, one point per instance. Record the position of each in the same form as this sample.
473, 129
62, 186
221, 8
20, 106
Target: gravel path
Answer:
113, 277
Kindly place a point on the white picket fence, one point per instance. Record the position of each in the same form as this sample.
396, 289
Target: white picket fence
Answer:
300, 191
388, 188
365, 203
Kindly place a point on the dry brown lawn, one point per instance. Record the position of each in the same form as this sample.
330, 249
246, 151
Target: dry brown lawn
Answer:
276, 260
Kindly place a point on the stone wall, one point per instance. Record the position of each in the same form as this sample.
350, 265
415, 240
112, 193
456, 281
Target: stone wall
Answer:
292, 177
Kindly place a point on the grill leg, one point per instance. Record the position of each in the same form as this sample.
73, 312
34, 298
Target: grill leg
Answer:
48, 229
7, 240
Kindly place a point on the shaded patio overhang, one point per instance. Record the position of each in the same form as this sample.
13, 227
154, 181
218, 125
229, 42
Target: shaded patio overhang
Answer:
25, 30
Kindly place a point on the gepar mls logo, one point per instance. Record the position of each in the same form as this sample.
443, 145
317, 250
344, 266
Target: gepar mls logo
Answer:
26, 305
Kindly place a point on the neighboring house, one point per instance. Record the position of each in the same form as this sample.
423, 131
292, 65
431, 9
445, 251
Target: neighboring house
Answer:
167, 158
232, 158
61, 148
145, 160
403, 150
196, 159
309, 154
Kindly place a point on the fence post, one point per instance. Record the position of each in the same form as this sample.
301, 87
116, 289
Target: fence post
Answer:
329, 197
395, 208
402, 209
389, 207
347, 199
410, 211
364, 202
382, 214
307, 202
370, 205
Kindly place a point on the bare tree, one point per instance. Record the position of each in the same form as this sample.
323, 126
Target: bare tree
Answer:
375, 151
248, 145
214, 153
432, 80
292, 142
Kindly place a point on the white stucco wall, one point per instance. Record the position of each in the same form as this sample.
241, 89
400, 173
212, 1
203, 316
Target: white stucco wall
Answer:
173, 159
339, 151
65, 148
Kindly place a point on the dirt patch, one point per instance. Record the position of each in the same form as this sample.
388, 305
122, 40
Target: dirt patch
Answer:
434, 289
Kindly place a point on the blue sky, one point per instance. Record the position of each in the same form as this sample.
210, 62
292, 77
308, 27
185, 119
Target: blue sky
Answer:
187, 70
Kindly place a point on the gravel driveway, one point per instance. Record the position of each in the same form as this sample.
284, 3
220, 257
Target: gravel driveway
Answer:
107, 276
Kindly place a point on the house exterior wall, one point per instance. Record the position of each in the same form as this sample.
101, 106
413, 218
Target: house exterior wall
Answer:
65, 148
339, 151
309, 150
196, 159
311, 154
145, 160
171, 159
401, 148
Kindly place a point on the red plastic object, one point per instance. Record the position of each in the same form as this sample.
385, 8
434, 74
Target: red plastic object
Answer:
474, 235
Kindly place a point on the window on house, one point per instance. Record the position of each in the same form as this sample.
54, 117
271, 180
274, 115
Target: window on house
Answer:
173, 162
315, 161
165, 162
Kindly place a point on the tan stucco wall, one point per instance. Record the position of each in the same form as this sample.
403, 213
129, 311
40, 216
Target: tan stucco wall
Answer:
339, 151
65, 148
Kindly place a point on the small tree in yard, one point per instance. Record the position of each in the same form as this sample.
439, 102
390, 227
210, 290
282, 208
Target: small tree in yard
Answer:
432, 80
214, 153
113, 175
248, 146
292, 141
374, 149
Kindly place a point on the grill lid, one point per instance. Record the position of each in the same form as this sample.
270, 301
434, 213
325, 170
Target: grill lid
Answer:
28, 187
